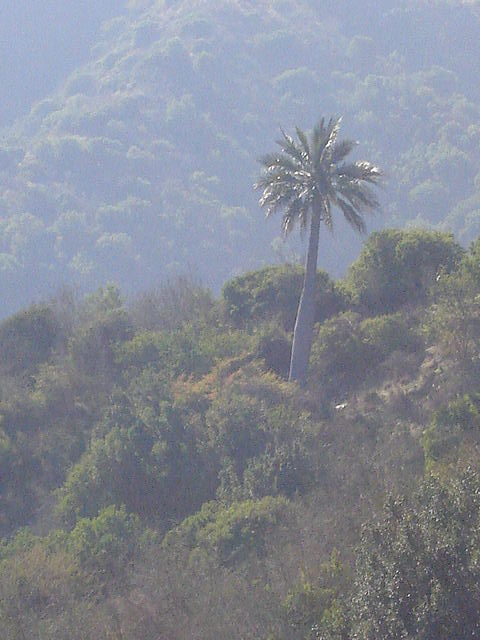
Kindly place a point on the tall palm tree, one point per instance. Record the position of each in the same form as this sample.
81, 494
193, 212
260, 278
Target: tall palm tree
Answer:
306, 179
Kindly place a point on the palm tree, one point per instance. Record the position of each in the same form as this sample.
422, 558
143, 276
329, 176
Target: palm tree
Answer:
307, 179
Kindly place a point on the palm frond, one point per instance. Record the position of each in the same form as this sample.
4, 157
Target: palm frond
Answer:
302, 136
327, 214
277, 177
318, 133
361, 170
333, 129
279, 160
352, 216
359, 195
293, 214
287, 144
342, 149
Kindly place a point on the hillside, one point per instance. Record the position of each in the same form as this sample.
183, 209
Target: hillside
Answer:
140, 164
41, 44
161, 479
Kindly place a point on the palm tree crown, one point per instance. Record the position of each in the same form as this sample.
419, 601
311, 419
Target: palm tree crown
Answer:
306, 180
312, 172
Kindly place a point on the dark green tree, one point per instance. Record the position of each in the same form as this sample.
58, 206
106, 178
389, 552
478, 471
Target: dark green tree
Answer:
307, 179
418, 574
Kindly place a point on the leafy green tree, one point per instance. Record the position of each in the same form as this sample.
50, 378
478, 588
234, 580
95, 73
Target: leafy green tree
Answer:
398, 267
340, 355
418, 574
27, 339
104, 545
142, 456
454, 317
273, 292
307, 179
234, 531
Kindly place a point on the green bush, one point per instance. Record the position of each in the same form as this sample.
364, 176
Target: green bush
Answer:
104, 546
176, 353
348, 350
237, 428
231, 532
454, 317
142, 456
316, 608
417, 573
27, 339
389, 333
397, 268
274, 292
285, 468
273, 346
259, 440
463, 413
186, 351
340, 356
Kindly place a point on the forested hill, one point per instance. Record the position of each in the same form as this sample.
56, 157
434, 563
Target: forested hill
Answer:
160, 478
41, 43
141, 163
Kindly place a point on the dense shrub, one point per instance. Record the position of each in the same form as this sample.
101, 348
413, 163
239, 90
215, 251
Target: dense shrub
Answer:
451, 423
348, 350
454, 317
173, 304
104, 546
142, 456
418, 574
340, 356
102, 323
231, 532
26, 340
463, 413
396, 268
273, 346
274, 292
389, 333
286, 468
316, 607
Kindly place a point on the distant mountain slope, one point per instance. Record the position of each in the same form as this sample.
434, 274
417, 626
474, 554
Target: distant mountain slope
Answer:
143, 162
41, 43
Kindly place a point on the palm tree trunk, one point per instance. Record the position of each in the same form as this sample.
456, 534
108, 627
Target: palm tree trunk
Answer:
303, 332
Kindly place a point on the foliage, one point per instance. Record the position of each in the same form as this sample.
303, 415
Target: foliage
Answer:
104, 323
348, 350
33, 582
340, 356
274, 292
175, 303
462, 412
232, 532
104, 546
455, 315
175, 126
455, 423
390, 333
397, 268
417, 569
260, 441
142, 456
27, 339
273, 346
139, 427
316, 607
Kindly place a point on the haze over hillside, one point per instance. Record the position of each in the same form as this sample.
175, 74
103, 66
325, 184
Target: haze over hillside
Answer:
141, 162
41, 43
